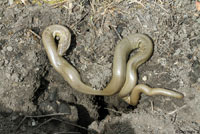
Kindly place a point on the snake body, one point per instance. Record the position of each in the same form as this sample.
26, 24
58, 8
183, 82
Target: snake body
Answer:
124, 75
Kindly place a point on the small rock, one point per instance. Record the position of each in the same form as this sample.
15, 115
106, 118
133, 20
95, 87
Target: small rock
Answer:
52, 95
10, 2
162, 61
72, 117
64, 108
144, 78
6, 62
9, 48
15, 77
33, 123
1, 62
194, 58
14, 117
198, 79
48, 107
176, 63
198, 20
177, 52
94, 126
8, 75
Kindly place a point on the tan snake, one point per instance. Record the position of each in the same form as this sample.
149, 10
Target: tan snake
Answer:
124, 74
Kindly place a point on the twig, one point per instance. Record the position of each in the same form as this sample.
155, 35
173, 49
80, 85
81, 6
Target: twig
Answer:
24, 2
34, 34
47, 115
69, 7
152, 106
67, 133
161, 1
176, 110
161, 7
21, 123
58, 4
138, 19
45, 122
93, 8
138, 2
39, 116
78, 22
174, 118
71, 124
119, 36
114, 110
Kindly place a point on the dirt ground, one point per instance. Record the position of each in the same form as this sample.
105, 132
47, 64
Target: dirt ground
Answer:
33, 94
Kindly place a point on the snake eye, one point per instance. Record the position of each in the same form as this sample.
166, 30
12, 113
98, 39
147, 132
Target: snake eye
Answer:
57, 37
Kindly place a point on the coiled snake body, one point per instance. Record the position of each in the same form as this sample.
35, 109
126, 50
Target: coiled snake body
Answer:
124, 75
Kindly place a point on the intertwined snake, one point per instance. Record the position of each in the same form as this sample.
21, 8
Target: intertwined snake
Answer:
124, 74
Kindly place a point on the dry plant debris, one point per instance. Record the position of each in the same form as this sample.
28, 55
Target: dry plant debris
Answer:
198, 5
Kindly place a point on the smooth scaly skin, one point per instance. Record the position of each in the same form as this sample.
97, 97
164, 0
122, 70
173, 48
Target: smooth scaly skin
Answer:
124, 75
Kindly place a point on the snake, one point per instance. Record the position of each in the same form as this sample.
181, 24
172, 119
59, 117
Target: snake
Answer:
124, 67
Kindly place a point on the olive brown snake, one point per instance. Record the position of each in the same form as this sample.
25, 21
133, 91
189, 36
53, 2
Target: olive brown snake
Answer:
124, 74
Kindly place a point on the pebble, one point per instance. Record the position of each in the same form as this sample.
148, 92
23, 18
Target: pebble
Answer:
52, 95
198, 20
10, 2
64, 108
14, 117
1, 62
48, 107
177, 52
176, 62
162, 61
9, 48
15, 77
8, 75
144, 78
194, 58
33, 123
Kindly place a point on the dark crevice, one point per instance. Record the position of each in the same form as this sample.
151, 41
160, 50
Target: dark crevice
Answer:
43, 86
73, 41
99, 101
84, 117
130, 107
2, 43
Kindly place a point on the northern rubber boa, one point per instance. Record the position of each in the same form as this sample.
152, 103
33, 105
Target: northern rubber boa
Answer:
124, 74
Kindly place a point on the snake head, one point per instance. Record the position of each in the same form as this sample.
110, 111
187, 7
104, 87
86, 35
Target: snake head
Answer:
64, 40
